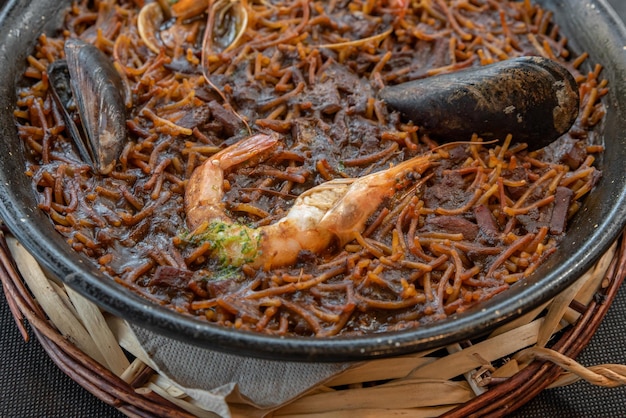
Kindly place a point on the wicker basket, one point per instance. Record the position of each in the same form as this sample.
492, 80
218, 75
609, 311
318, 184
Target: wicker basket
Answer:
491, 376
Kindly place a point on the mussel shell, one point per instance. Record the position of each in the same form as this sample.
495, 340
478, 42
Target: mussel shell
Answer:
533, 98
59, 78
97, 89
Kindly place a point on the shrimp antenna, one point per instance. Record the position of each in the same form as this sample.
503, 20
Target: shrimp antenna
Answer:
455, 143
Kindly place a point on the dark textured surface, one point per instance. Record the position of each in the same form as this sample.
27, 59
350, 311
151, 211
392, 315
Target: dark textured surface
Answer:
32, 386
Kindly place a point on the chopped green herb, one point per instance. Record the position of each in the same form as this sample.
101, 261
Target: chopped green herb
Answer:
232, 244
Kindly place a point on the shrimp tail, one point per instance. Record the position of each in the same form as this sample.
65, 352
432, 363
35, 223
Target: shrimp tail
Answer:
246, 151
204, 191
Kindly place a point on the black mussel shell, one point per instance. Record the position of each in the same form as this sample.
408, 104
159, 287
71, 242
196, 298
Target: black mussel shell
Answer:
88, 79
533, 98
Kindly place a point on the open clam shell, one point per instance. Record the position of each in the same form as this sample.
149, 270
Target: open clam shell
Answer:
226, 25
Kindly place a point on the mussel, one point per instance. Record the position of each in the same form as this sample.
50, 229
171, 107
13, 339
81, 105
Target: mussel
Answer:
88, 80
533, 98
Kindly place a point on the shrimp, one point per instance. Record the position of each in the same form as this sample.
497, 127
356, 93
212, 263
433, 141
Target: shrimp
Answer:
334, 210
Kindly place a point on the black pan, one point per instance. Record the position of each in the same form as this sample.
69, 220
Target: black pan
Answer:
591, 26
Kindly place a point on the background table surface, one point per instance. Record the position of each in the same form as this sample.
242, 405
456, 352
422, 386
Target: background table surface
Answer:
32, 386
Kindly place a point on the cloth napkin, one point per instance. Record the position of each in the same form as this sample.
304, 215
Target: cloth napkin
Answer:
210, 377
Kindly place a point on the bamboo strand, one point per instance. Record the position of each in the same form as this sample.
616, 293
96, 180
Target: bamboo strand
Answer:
94, 321
557, 308
382, 369
607, 375
409, 393
495, 348
428, 412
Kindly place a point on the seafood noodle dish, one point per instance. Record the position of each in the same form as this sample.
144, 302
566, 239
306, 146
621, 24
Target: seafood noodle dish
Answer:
311, 168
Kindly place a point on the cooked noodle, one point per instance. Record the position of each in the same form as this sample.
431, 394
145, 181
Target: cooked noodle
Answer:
483, 218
